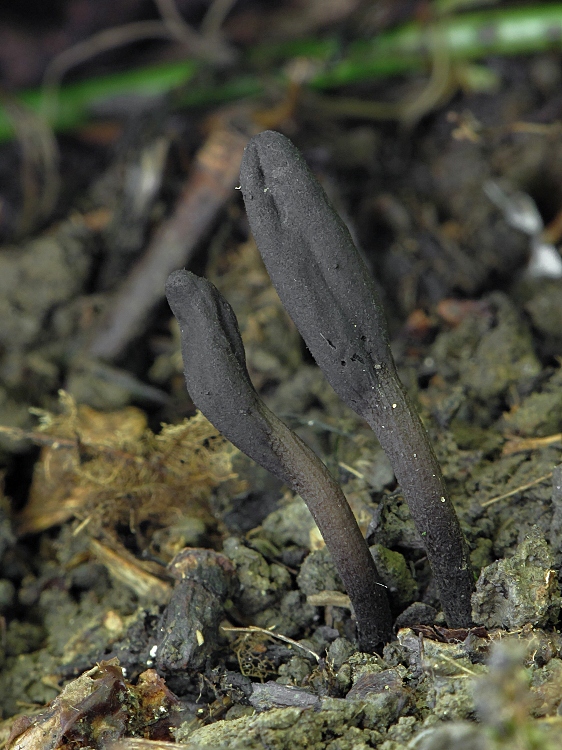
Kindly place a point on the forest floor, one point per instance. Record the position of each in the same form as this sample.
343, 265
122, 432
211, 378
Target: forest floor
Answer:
157, 588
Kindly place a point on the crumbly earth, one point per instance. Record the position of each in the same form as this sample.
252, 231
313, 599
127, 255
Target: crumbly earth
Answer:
271, 660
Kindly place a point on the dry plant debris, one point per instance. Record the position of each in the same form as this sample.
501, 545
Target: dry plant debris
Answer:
109, 470
97, 707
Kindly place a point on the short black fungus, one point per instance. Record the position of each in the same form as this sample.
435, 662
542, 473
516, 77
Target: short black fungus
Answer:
327, 290
219, 384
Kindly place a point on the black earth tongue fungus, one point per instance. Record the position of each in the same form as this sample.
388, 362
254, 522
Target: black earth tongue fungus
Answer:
330, 295
219, 384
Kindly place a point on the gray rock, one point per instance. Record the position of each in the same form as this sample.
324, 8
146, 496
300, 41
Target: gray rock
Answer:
273, 695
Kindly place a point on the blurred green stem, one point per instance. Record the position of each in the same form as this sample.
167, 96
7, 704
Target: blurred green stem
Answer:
466, 36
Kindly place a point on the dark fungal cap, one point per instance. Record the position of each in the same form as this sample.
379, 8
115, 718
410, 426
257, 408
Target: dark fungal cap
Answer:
195, 300
313, 263
275, 175
215, 368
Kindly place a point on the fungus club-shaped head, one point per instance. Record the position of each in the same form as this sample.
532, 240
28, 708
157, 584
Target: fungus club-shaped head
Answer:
215, 368
315, 267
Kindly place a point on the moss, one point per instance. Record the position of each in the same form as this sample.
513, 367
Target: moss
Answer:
539, 414
481, 555
473, 437
295, 671
22, 681
337, 726
488, 354
291, 524
318, 573
546, 689
261, 584
396, 575
522, 589
23, 637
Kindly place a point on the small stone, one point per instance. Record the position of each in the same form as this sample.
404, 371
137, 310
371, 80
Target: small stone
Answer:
395, 575
261, 584
318, 573
273, 695
417, 613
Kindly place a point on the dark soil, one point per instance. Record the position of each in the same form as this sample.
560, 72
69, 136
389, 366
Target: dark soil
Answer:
174, 591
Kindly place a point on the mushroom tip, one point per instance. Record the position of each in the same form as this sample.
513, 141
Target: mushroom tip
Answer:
181, 283
266, 150
266, 139
182, 288
175, 282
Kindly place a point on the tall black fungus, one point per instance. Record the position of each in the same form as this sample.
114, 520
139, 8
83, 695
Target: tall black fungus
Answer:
219, 384
331, 297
